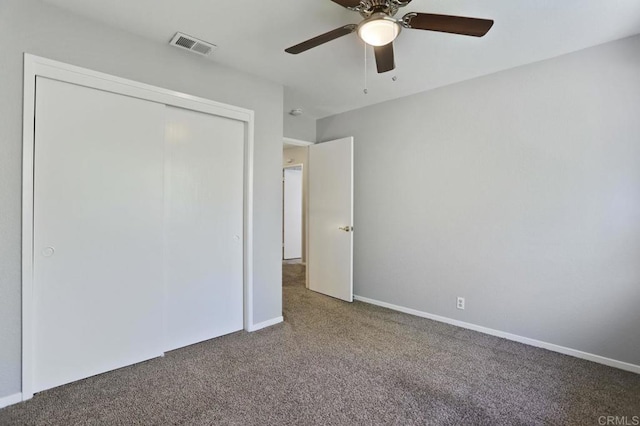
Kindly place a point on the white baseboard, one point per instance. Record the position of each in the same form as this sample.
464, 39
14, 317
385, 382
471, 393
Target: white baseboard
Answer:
514, 337
264, 324
10, 400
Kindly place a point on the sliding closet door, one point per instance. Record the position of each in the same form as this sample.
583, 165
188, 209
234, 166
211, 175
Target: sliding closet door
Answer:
204, 159
98, 218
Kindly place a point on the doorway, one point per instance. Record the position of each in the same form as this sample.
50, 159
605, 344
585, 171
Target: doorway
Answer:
295, 154
292, 212
327, 253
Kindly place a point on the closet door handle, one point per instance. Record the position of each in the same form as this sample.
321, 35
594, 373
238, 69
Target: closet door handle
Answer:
48, 251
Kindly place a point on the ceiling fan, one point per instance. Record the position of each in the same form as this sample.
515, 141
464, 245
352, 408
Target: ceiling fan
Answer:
379, 28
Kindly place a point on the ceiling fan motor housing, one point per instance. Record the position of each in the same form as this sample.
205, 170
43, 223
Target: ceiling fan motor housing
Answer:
389, 7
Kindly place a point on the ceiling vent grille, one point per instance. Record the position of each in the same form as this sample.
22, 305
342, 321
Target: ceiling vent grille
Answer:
192, 44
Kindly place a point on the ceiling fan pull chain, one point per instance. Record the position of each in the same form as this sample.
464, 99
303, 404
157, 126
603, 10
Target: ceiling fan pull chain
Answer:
366, 90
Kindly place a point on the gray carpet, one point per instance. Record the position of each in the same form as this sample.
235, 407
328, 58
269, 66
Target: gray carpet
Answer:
337, 363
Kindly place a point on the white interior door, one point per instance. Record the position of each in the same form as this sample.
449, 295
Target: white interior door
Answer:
292, 213
330, 256
204, 171
98, 213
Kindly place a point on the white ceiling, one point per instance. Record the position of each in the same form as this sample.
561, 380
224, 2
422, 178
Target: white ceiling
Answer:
252, 36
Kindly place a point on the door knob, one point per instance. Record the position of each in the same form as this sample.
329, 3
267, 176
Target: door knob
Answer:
346, 228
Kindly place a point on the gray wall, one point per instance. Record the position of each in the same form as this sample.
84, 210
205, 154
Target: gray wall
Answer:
302, 127
519, 191
33, 27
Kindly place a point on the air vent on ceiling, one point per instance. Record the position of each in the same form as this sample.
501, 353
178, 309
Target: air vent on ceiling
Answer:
192, 44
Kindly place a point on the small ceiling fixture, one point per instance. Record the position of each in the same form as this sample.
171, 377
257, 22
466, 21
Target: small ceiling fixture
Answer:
296, 112
378, 30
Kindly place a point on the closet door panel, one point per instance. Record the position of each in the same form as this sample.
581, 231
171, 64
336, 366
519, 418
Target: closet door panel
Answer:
98, 227
204, 226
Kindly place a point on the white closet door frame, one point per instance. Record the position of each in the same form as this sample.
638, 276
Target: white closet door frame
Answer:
35, 66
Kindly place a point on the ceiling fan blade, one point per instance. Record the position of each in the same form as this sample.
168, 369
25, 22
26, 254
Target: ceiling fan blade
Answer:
321, 39
384, 58
347, 3
448, 24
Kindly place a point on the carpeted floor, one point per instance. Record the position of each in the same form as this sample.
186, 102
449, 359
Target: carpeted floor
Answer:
335, 363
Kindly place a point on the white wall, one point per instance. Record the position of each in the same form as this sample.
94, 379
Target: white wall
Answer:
41, 29
519, 191
299, 155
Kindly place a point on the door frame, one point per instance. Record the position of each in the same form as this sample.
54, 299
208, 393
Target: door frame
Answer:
35, 66
302, 230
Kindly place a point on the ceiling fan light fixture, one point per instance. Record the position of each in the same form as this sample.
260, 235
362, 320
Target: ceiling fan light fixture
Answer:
379, 30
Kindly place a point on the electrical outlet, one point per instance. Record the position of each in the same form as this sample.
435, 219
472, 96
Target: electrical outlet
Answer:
460, 303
